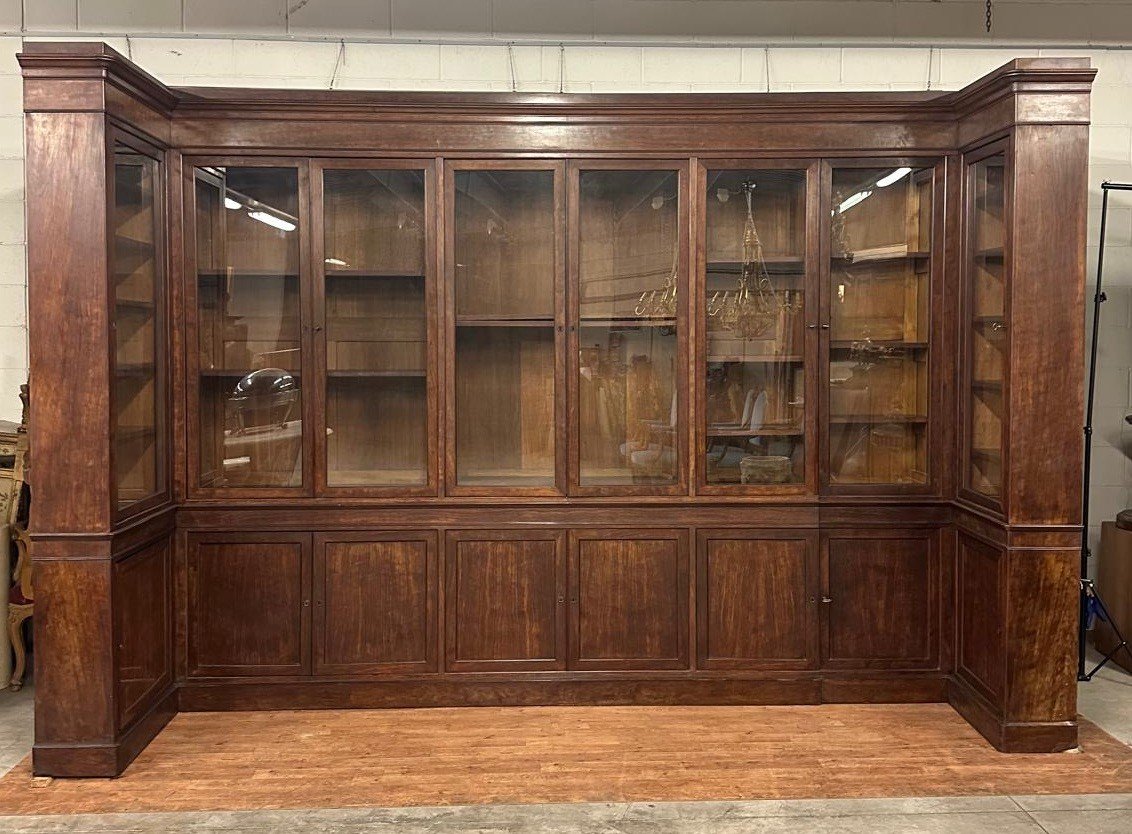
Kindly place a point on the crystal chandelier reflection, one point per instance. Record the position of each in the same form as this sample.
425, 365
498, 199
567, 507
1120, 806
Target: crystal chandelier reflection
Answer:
753, 307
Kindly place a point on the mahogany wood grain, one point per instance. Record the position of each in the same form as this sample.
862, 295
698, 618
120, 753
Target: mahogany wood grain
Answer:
375, 598
883, 592
249, 604
143, 629
756, 600
629, 599
506, 600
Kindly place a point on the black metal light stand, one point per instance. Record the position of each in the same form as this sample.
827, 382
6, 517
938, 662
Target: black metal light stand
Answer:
1091, 602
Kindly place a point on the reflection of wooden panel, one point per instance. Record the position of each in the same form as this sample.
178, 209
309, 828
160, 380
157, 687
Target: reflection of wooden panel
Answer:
142, 629
375, 598
981, 590
754, 600
629, 600
249, 604
505, 597
884, 605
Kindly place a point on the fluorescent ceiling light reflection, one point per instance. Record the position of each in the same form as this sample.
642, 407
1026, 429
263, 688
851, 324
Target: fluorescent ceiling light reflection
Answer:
272, 220
229, 203
336, 262
895, 176
853, 200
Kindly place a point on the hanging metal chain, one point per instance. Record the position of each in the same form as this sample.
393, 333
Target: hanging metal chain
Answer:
989, 3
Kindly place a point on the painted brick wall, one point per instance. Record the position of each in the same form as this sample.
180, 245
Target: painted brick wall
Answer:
642, 67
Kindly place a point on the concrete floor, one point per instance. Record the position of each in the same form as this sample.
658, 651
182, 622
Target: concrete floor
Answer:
1106, 701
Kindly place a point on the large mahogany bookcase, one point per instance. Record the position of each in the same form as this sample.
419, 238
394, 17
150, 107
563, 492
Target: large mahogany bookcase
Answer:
383, 399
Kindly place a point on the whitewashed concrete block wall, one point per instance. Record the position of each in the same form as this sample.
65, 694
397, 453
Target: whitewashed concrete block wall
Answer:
627, 68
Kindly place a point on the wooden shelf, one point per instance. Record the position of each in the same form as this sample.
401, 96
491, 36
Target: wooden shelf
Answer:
216, 274
134, 369
133, 306
858, 419
987, 385
847, 344
132, 434
784, 265
885, 259
774, 359
627, 322
504, 321
237, 372
991, 253
370, 273
364, 374
765, 431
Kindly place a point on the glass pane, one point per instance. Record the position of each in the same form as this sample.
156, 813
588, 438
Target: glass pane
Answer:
137, 276
504, 271
247, 226
987, 327
376, 328
628, 272
754, 324
880, 267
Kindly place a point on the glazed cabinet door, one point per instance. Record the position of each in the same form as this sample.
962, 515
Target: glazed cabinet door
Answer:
880, 599
249, 604
881, 279
375, 598
139, 475
505, 599
628, 369
756, 599
248, 329
757, 257
505, 263
374, 320
986, 315
629, 599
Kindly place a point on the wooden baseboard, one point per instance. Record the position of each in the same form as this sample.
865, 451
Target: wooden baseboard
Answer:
1009, 736
198, 696
105, 759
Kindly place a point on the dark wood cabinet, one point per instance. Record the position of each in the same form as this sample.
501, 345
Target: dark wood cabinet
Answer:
880, 600
756, 599
629, 599
143, 631
375, 602
506, 600
249, 604
424, 399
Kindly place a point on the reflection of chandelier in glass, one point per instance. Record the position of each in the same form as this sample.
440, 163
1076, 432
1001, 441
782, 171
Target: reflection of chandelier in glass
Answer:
753, 307
660, 303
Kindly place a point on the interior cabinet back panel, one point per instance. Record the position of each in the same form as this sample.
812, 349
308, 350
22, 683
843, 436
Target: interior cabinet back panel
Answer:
629, 599
249, 604
505, 600
375, 603
755, 600
882, 590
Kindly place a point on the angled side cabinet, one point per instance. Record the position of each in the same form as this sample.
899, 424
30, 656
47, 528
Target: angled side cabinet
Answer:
103, 517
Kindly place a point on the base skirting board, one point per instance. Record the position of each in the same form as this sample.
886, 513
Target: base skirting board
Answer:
1009, 736
550, 691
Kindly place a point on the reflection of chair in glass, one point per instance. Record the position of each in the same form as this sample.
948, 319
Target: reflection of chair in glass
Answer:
655, 457
726, 456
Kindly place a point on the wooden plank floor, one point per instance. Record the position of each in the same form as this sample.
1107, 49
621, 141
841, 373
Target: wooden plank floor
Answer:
346, 758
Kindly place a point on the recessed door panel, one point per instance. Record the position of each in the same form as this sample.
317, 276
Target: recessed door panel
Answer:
375, 602
755, 602
881, 600
249, 604
505, 605
629, 600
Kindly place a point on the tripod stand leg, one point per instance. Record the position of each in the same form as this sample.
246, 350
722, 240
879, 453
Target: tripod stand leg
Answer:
1089, 591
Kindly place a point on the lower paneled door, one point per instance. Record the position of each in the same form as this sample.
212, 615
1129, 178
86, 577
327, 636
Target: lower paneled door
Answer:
588, 599
756, 599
